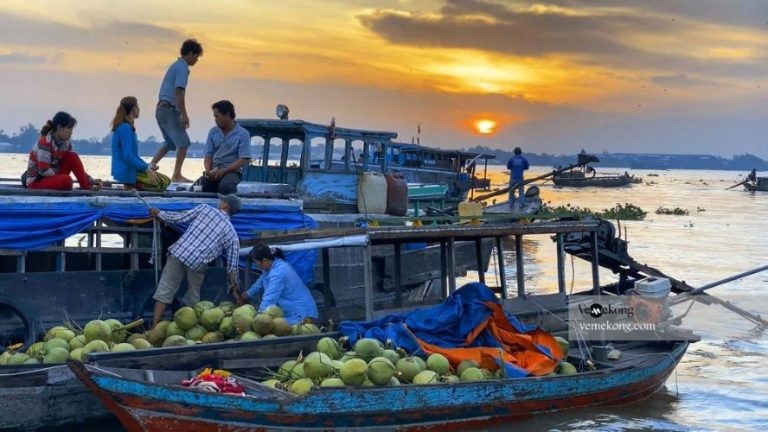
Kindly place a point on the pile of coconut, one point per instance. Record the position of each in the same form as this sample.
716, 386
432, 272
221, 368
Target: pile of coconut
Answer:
370, 363
203, 323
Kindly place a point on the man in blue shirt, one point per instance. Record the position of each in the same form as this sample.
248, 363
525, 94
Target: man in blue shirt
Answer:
171, 113
281, 285
227, 150
517, 165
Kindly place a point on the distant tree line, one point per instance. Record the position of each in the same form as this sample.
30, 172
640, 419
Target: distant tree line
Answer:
637, 160
22, 141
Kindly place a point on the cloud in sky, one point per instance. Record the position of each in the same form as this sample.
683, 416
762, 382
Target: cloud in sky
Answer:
558, 75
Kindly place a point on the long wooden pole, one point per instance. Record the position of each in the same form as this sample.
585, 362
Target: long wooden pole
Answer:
525, 182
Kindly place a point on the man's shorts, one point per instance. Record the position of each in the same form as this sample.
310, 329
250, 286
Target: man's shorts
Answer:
173, 274
169, 120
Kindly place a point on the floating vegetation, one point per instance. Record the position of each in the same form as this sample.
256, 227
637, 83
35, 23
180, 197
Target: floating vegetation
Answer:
677, 211
626, 211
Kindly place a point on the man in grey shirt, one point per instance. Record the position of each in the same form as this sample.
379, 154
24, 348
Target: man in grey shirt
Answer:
171, 113
227, 150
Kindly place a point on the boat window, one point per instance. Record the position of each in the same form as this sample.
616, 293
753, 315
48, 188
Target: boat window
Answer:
357, 153
337, 155
275, 151
295, 147
317, 153
257, 150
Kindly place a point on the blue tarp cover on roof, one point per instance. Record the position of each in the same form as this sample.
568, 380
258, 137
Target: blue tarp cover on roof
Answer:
25, 226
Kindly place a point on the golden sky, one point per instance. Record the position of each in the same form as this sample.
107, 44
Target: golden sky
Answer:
643, 76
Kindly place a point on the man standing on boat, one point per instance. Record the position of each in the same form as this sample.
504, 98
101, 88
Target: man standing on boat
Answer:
227, 150
210, 232
171, 113
516, 165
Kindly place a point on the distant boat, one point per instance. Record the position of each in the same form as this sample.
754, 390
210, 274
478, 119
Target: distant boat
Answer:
757, 184
586, 176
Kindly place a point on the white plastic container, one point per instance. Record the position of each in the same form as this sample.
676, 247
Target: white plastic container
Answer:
372, 193
653, 287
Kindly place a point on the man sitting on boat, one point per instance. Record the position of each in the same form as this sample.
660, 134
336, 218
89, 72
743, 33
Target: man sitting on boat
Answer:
227, 150
210, 233
51, 160
516, 165
282, 286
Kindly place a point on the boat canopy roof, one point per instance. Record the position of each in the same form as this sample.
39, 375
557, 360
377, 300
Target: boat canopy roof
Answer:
299, 129
417, 148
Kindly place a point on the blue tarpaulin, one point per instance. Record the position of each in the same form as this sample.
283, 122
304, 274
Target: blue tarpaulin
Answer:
446, 324
25, 226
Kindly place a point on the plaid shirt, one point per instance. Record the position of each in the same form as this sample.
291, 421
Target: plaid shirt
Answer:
209, 233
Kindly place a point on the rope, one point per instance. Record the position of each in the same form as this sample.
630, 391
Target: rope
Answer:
32, 371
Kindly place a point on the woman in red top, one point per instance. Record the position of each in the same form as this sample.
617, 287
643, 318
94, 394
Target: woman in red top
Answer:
51, 160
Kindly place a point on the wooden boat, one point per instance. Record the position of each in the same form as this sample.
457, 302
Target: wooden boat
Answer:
147, 401
144, 399
760, 184
578, 178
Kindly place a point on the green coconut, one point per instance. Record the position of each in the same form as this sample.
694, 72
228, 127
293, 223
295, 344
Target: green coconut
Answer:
56, 355
227, 307
36, 350
157, 334
196, 333
305, 329
407, 368
185, 318
173, 329
472, 374
564, 345
272, 383
250, 336
78, 341
32, 361
349, 355
391, 355
211, 318
55, 342
394, 381
201, 307
368, 349
263, 323
140, 343
368, 383
18, 358
191, 342
51, 333
123, 347
329, 347
354, 372
317, 365
119, 334
565, 368
438, 363
225, 327
281, 327
421, 362
76, 354
285, 372
488, 374
5, 356
274, 311
426, 377
269, 336
175, 340
380, 370
97, 330
450, 379
212, 337
337, 365
301, 386
242, 323
97, 345
244, 310
333, 383
466, 364
65, 334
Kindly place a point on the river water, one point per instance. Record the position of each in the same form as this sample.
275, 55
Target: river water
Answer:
721, 383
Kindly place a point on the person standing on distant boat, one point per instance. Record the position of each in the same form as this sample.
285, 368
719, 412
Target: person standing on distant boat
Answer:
281, 285
227, 150
752, 176
516, 165
171, 113
52, 160
127, 167
210, 232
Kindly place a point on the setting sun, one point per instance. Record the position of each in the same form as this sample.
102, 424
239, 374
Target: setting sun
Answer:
485, 126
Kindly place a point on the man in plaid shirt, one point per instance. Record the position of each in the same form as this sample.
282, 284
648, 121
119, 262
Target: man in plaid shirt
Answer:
210, 233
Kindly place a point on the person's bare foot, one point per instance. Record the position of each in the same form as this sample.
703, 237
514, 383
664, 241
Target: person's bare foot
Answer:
181, 179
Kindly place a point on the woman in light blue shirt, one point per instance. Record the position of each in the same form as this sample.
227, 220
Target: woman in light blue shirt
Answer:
281, 285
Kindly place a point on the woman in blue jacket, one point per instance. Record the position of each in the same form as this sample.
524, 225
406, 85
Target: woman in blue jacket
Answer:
281, 285
127, 167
